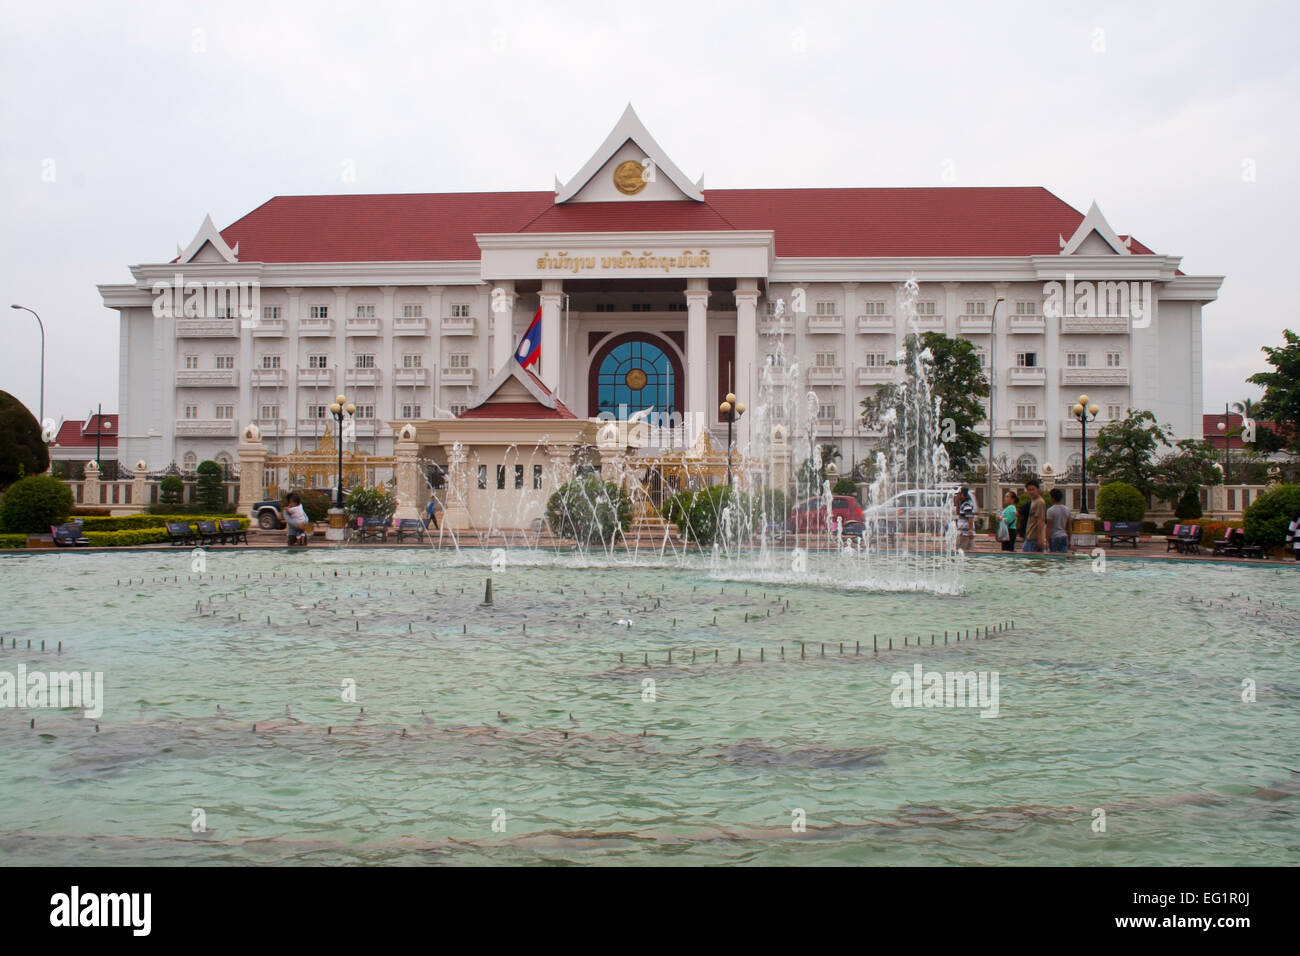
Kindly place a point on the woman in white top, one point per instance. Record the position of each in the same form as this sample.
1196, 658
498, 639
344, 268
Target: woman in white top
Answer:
296, 518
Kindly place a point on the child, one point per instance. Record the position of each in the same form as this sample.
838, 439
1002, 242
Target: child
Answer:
296, 518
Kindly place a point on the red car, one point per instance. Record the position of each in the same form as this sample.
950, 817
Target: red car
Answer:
810, 515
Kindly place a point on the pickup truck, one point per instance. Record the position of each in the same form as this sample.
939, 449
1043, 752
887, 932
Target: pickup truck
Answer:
269, 514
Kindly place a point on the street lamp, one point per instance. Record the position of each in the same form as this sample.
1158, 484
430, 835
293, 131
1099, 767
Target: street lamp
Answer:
992, 505
338, 409
1084, 413
42, 325
730, 409
1227, 448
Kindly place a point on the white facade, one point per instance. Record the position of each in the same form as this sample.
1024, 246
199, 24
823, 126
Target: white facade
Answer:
408, 340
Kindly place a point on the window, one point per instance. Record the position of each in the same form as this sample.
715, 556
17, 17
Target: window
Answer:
827, 360
189, 462
537, 477
677, 307
412, 360
1113, 412
519, 477
827, 308
363, 360
191, 361
1027, 359
317, 411
1026, 465
1027, 411
319, 312
271, 312
1026, 308
501, 477
225, 411
925, 308
983, 356
604, 306
877, 359
776, 360
1114, 360
1076, 359
365, 312
482, 476
640, 306
827, 412
460, 310
191, 411
873, 307
270, 411
270, 361
318, 361
457, 409
458, 360
771, 309
225, 361
223, 312
411, 411
975, 308
365, 412
413, 310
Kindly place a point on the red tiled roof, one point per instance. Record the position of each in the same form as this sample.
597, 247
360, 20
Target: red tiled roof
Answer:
529, 410
929, 221
1210, 429
79, 434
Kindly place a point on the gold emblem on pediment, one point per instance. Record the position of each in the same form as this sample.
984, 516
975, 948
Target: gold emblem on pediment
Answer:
629, 178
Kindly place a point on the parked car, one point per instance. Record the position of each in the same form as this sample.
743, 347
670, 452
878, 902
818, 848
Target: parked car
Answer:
925, 510
269, 514
810, 515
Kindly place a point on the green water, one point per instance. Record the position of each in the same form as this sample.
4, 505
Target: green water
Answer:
1119, 691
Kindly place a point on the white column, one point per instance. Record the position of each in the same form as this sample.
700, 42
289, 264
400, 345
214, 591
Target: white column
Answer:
699, 408
435, 341
291, 410
386, 399
552, 315
483, 313
1054, 398
503, 313
746, 354
849, 446
998, 396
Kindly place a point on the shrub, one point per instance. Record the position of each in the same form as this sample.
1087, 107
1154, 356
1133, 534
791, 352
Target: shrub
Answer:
772, 503
699, 515
34, 503
13, 540
170, 491
1268, 516
122, 539
1118, 501
588, 510
845, 486
137, 522
22, 447
1189, 505
316, 503
370, 503
89, 512
209, 492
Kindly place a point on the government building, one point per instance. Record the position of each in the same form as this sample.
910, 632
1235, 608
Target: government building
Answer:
657, 297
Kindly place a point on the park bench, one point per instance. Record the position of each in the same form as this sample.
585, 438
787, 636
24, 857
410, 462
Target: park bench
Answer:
208, 533
231, 532
1230, 545
1189, 539
68, 535
1171, 539
372, 528
1123, 531
410, 526
180, 532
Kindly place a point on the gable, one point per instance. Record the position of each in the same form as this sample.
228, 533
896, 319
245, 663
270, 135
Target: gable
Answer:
633, 169
628, 142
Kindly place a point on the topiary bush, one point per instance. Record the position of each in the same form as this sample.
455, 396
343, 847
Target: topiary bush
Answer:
588, 510
1267, 518
32, 504
125, 539
22, 447
1189, 505
170, 492
1118, 501
209, 492
709, 514
845, 486
368, 503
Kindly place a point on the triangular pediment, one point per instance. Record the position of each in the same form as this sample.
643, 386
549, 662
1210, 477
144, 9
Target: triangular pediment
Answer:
207, 246
629, 166
1094, 237
514, 384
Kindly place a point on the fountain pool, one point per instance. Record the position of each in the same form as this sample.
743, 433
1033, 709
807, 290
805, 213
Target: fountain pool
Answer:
542, 729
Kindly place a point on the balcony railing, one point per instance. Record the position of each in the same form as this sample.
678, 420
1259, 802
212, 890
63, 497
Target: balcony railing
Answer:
829, 426
363, 326
1108, 325
974, 324
930, 323
458, 325
270, 328
363, 376
271, 427
875, 375
825, 323
825, 374
418, 325
207, 378
316, 327
205, 427
411, 376
1020, 375
875, 323
314, 426
315, 376
1026, 324
1027, 427
1094, 376
1070, 427
458, 376
269, 377
207, 328
771, 325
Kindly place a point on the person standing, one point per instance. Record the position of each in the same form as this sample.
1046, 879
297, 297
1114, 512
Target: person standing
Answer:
965, 520
1293, 537
295, 516
431, 510
1009, 520
1036, 523
1058, 524
1023, 501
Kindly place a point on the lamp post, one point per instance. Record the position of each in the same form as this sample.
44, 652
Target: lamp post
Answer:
730, 409
1085, 413
1227, 448
338, 409
42, 325
989, 503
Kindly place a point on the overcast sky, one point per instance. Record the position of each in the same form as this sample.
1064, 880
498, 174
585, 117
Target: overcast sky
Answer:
123, 124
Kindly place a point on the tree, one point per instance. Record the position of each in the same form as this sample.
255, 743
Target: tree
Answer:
34, 503
1267, 517
209, 490
1126, 451
170, 491
1281, 401
589, 510
1191, 465
22, 447
956, 380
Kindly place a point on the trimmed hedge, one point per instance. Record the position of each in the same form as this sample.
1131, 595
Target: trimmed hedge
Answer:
1118, 501
32, 504
1268, 516
13, 540
137, 522
122, 539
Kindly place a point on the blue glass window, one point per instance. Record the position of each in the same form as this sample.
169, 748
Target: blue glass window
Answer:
635, 376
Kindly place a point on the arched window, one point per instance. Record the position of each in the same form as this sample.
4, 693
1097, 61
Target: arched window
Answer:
1074, 467
189, 462
634, 372
1026, 466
